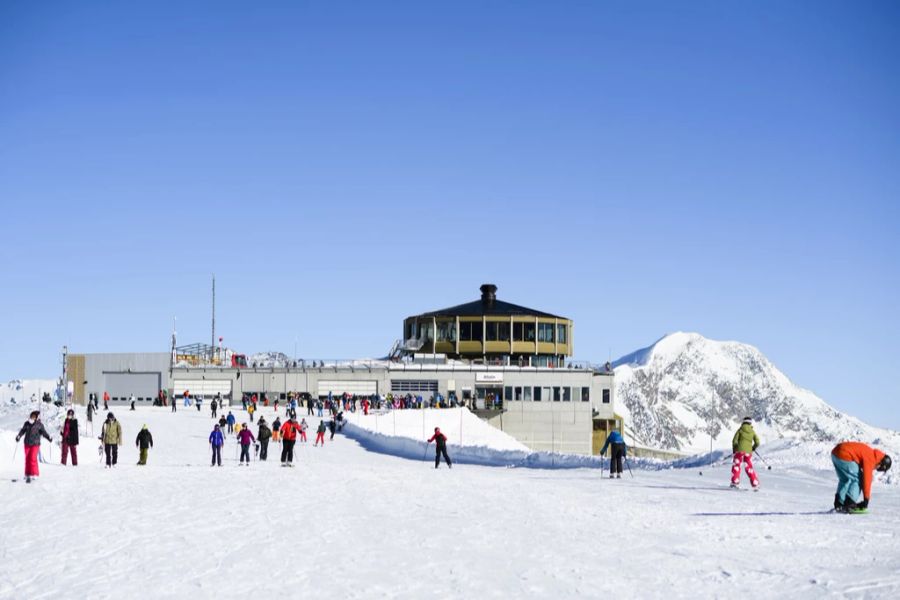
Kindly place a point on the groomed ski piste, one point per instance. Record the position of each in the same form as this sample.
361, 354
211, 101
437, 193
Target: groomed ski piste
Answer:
368, 516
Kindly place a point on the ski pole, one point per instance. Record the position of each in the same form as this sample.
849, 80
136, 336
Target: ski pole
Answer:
628, 464
15, 450
601, 465
427, 444
768, 466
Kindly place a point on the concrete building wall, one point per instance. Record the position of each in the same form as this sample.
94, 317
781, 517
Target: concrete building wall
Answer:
126, 373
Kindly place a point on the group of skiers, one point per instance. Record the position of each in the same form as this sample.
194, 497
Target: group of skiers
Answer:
854, 462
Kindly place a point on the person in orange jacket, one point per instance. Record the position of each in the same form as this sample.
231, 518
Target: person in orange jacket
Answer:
854, 463
289, 438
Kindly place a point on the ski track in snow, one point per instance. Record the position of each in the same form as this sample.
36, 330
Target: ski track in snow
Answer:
347, 523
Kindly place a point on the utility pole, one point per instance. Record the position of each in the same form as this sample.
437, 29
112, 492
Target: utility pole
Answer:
212, 341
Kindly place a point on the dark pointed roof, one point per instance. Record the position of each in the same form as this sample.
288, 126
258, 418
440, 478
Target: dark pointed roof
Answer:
488, 305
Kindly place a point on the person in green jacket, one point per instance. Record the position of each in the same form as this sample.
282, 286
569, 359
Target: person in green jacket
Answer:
111, 436
744, 443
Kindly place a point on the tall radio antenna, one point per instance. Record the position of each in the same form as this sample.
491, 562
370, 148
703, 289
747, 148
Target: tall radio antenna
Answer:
212, 342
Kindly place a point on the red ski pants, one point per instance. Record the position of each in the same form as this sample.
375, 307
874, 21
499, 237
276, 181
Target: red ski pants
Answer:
320, 437
31, 461
745, 457
66, 448
302, 436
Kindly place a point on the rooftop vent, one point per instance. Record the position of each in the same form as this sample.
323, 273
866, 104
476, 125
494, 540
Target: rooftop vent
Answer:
488, 295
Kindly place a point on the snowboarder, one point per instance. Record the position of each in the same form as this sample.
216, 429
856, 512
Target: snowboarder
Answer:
70, 437
618, 454
289, 437
320, 433
245, 438
263, 435
440, 447
143, 441
744, 444
216, 441
854, 463
213, 406
32, 431
230, 420
111, 436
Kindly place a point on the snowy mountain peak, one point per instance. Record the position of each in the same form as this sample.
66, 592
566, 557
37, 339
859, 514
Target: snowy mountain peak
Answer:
684, 388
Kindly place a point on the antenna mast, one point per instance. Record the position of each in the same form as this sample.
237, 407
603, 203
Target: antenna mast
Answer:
212, 341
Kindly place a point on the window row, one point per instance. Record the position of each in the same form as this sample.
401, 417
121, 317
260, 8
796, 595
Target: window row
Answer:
547, 393
492, 331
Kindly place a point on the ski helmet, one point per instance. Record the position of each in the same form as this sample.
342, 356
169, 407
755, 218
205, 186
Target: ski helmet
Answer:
885, 463
747, 421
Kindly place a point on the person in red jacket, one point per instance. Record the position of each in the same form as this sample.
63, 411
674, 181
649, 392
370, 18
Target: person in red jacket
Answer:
854, 463
440, 447
288, 438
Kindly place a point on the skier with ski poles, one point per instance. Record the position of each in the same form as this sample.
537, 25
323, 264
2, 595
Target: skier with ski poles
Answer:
854, 462
617, 455
143, 441
440, 447
32, 431
743, 445
216, 441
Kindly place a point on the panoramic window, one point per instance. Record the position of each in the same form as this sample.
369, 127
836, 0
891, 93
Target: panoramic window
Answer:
497, 332
470, 331
545, 332
561, 334
446, 331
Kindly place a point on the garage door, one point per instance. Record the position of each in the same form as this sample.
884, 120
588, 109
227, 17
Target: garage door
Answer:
203, 387
120, 386
360, 388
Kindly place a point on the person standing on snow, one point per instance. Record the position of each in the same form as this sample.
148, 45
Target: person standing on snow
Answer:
245, 438
320, 433
111, 436
263, 435
70, 437
289, 438
105, 400
199, 403
744, 444
332, 427
230, 420
143, 441
619, 453
32, 431
303, 427
213, 406
276, 429
216, 441
854, 462
440, 447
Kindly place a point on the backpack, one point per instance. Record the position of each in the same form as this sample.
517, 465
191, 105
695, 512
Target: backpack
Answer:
264, 432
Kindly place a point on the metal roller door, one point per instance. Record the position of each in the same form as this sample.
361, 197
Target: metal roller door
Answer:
205, 387
360, 388
121, 386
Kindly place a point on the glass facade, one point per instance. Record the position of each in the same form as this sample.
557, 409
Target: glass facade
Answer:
470, 331
497, 332
446, 331
545, 332
523, 332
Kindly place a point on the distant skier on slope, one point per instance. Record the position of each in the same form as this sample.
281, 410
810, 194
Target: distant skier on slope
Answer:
854, 462
245, 438
289, 438
213, 406
263, 435
143, 441
320, 433
32, 431
618, 454
744, 444
230, 420
440, 447
303, 427
216, 441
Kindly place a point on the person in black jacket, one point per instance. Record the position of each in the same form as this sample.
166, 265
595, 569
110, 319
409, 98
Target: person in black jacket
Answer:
263, 437
440, 447
143, 441
32, 431
70, 438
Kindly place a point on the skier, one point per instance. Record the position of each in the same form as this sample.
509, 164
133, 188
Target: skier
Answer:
289, 437
32, 431
199, 403
303, 427
132, 399
213, 406
143, 441
70, 437
440, 447
174, 405
744, 443
222, 422
90, 412
320, 433
854, 463
276, 430
250, 410
111, 436
332, 427
618, 454
216, 441
245, 437
263, 435
230, 421
105, 400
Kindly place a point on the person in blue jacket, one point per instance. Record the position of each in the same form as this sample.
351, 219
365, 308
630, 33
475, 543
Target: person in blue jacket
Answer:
231, 421
216, 441
619, 453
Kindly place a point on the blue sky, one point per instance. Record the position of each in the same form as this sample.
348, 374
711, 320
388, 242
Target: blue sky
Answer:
641, 167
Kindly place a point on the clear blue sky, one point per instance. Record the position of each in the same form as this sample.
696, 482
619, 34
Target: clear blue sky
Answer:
641, 167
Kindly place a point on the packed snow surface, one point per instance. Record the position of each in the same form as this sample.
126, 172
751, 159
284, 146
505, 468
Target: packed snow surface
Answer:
349, 523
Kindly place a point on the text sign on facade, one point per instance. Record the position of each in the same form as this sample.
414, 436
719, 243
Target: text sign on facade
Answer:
488, 377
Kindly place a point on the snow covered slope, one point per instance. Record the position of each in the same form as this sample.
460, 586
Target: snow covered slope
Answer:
683, 388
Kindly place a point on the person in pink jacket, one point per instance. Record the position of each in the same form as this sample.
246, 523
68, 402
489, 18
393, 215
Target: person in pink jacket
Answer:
245, 438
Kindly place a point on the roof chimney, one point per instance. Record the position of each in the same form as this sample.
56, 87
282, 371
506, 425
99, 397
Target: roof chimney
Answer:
488, 295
